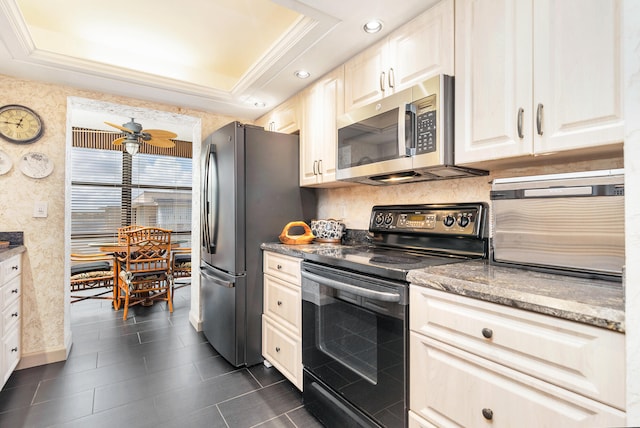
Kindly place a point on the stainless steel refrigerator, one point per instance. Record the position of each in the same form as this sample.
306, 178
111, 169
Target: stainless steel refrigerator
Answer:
250, 192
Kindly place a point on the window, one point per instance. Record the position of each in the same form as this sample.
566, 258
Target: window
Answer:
110, 189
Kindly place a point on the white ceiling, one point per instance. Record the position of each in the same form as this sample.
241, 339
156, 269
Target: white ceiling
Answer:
218, 56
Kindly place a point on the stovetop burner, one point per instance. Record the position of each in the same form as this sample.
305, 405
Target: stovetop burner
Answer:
407, 237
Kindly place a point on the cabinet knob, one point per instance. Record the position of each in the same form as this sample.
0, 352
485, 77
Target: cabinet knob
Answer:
279, 302
277, 349
487, 413
487, 333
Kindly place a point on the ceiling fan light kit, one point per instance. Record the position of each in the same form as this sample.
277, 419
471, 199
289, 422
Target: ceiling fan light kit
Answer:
135, 135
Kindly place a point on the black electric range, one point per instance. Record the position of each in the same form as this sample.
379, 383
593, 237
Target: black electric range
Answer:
407, 237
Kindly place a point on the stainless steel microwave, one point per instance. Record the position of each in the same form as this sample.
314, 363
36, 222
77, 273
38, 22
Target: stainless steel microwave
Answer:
405, 137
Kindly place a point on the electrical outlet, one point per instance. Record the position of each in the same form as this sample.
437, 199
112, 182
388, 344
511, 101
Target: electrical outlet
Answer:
40, 209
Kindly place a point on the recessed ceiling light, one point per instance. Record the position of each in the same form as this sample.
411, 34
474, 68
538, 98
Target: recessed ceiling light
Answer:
259, 104
372, 26
302, 74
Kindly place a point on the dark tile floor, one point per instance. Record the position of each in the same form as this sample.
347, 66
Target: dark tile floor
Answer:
152, 370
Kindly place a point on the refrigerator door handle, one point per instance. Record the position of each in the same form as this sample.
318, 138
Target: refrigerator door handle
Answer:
209, 223
218, 281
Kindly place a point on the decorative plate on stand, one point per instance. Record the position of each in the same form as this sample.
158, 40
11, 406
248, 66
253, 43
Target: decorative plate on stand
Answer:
5, 163
36, 165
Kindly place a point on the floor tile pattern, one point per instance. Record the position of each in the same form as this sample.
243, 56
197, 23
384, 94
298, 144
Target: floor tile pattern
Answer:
152, 370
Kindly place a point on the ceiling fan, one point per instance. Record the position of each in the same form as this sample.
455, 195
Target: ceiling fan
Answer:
135, 135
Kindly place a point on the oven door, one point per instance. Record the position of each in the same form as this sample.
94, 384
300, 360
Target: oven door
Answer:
354, 348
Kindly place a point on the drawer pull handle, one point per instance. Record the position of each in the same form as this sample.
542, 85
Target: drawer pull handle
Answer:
14, 291
487, 333
487, 413
15, 314
279, 267
279, 302
14, 349
277, 349
14, 267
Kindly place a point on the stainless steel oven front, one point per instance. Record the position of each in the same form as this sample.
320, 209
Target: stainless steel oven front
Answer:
354, 347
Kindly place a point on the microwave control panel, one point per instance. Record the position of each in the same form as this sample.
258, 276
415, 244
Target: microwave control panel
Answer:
454, 220
426, 119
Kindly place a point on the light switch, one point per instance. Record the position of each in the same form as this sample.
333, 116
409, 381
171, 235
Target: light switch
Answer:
40, 209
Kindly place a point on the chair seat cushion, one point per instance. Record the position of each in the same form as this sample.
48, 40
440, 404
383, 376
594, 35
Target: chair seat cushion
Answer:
89, 267
92, 274
182, 258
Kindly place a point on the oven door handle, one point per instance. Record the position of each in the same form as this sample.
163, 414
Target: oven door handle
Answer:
381, 296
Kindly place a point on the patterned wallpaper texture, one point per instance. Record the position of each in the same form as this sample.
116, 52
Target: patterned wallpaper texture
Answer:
43, 277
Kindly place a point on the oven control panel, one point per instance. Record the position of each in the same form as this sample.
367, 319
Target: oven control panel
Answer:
464, 219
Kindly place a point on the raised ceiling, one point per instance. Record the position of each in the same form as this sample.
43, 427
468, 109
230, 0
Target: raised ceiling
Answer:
220, 56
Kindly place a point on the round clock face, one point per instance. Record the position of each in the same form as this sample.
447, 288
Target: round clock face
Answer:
19, 124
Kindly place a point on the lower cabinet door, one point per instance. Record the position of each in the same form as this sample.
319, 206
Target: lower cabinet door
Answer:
451, 387
416, 421
282, 350
10, 353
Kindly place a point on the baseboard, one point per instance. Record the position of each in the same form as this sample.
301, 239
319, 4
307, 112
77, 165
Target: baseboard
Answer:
44, 357
195, 321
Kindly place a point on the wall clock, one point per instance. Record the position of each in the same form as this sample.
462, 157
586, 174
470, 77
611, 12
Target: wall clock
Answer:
20, 124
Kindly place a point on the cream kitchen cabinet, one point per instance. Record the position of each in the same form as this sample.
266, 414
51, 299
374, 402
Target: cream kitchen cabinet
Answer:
10, 321
533, 77
475, 363
282, 315
321, 103
284, 118
420, 49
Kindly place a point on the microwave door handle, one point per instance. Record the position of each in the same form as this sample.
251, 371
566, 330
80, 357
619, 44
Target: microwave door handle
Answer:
406, 133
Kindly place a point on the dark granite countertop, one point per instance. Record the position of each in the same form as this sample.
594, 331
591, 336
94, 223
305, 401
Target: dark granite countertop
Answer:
589, 301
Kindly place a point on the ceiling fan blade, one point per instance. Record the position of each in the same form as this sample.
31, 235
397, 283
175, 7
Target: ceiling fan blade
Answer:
122, 128
161, 142
118, 141
159, 133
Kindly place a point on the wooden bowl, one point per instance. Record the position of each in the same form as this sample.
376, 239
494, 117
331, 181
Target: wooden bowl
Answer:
306, 238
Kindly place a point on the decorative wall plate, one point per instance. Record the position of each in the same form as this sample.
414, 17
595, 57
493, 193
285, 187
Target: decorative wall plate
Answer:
5, 163
36, 165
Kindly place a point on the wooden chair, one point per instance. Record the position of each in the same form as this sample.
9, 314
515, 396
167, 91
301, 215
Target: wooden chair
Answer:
180, 268
145, 268
122, 232
90, 273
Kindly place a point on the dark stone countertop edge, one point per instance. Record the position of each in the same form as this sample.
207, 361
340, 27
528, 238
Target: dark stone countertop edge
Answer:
499, 287
7, 253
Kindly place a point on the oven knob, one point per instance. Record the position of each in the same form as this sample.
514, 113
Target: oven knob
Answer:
379, 218
388, 218
463, 221
449, 220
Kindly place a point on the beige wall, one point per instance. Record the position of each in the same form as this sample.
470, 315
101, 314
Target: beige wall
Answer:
353, 204
43, 279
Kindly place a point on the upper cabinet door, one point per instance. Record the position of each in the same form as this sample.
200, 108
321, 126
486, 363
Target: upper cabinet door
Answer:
537, 77
415, 52
422, 48
493, 83
578, 74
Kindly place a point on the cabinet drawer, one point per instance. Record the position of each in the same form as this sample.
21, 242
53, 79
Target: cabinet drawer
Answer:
451, 387
416, 421
11, 353
283, 302
282, 350
11, 268
281, 266
582, 358
10, 292
10, 317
